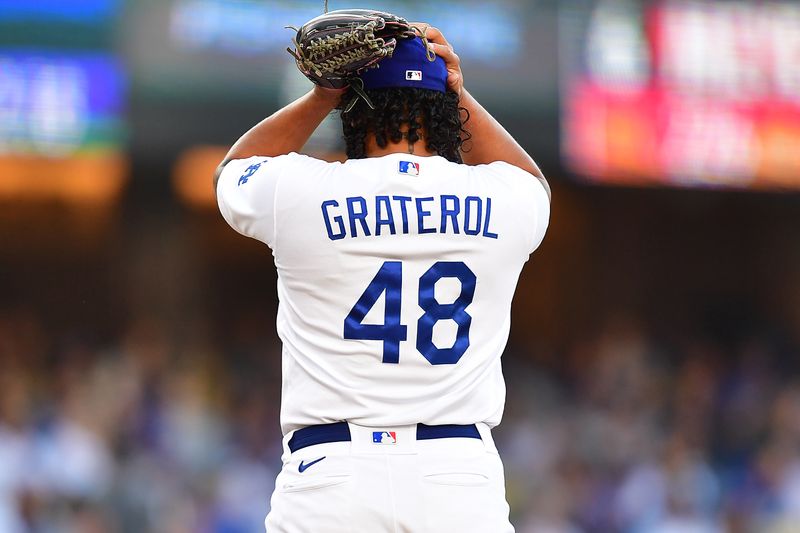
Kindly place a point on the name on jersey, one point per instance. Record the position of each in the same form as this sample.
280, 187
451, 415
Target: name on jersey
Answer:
357, 216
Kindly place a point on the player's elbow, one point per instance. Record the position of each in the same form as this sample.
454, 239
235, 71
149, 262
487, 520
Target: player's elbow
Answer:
218, 173
546, 185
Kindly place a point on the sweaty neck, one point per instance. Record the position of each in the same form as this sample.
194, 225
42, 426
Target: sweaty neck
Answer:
403, 147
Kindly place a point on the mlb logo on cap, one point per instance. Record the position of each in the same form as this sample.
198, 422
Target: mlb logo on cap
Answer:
409, 66
384, 437
409, 167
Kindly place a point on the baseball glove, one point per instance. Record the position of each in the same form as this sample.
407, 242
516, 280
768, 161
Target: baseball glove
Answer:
332, 49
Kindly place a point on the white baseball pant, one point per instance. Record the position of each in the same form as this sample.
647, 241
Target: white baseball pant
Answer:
385, 480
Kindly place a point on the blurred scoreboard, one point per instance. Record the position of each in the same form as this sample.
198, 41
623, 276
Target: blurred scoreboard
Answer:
683, 92
59, 103
62, 100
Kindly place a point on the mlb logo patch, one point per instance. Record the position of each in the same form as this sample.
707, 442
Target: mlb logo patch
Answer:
384, 437
414, 75
409, 167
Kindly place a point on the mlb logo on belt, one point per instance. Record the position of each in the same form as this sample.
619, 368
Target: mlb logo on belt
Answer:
384, 437
409, 167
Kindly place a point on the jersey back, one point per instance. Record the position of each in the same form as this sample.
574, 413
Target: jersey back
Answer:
395, 281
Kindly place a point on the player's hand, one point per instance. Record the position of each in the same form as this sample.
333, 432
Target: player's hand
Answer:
331, 96
443, 49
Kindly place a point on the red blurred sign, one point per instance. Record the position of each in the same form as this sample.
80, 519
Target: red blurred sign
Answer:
708, 94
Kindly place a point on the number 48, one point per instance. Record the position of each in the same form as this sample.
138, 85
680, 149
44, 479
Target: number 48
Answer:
389, 280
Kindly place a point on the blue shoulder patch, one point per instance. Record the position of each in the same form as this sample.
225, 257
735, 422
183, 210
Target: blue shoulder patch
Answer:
249, 171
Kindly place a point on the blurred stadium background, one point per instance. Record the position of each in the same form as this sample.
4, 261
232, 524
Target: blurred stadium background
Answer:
653, 363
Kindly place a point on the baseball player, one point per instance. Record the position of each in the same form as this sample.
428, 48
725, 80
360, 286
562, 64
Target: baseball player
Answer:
396, 271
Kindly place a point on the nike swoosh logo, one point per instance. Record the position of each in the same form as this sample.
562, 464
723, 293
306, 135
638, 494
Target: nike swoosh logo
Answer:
303, 467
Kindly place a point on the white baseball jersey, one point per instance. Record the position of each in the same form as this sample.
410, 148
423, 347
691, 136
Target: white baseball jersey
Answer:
395, 281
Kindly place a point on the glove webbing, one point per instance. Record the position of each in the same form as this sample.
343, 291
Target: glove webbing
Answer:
333, 47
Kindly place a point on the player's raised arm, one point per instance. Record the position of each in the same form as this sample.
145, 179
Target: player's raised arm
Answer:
286, 130
490, 141
353, 41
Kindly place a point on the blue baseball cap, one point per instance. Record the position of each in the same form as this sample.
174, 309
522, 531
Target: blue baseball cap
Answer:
409, 66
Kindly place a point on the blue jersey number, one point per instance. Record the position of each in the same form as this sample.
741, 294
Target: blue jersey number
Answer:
434, 312
389, 281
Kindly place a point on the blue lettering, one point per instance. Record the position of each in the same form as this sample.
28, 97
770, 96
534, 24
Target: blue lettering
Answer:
357, 216
380, 221
248, 172
340, 234
450, 213
421, 214
486, 232
478, 218
458, 215
403, 210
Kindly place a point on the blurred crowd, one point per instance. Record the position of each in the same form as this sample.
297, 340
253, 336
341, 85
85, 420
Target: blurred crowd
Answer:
618, 432
626, 433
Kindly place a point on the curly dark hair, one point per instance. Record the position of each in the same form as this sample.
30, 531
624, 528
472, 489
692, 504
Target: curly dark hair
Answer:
437, 113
